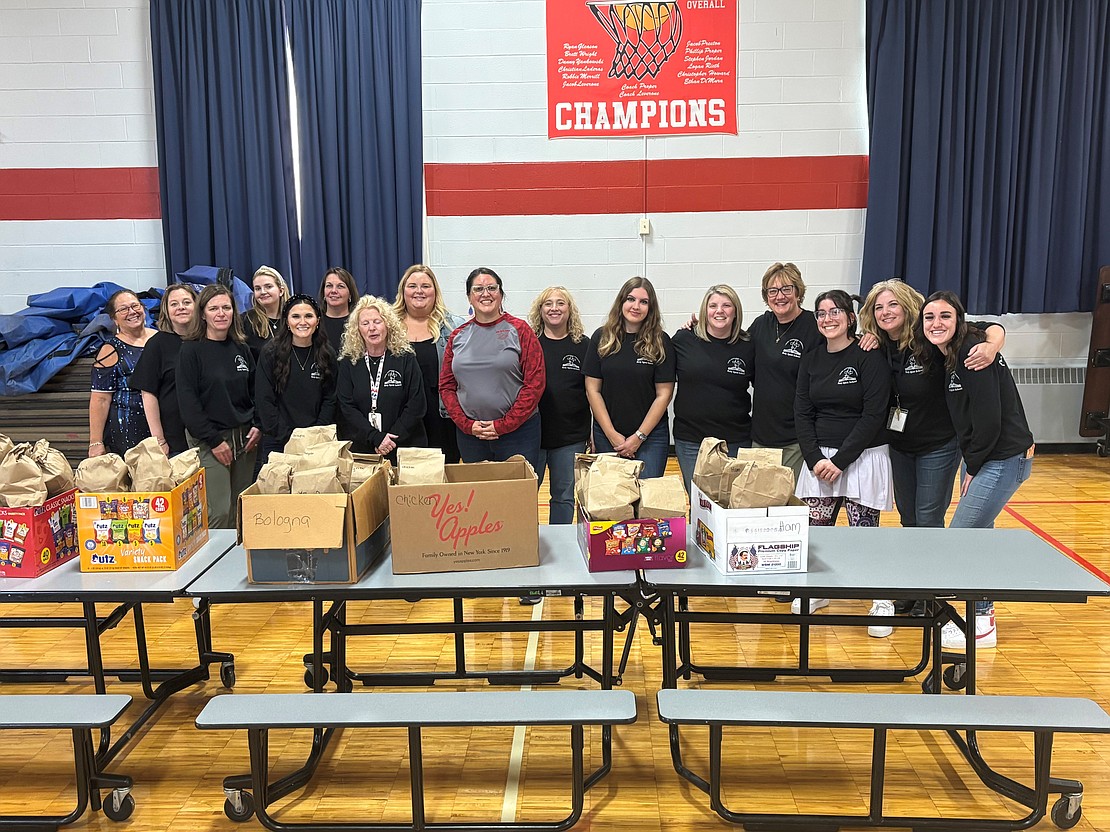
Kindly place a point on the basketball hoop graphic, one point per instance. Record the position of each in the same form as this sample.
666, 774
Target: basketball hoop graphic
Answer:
646, 34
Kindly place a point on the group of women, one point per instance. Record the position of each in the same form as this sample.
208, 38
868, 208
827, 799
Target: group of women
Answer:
863, 419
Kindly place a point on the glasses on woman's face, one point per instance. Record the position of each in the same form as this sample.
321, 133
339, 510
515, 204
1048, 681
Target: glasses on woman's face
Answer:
485, 290
785, 291
133, 307
834, 313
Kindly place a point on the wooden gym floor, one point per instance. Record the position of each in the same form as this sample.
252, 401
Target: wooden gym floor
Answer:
1061, 650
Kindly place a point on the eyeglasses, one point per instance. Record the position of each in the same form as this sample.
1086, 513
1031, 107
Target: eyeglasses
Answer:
834, 313
485, 290
775, 291
134, 307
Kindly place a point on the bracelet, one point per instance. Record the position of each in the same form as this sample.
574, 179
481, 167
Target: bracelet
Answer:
641, 436
94, 444
162, 442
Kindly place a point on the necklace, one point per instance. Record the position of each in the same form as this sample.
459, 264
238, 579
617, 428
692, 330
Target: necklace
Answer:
302, 364
779, 331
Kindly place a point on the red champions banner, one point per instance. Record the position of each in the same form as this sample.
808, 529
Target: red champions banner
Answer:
641, 68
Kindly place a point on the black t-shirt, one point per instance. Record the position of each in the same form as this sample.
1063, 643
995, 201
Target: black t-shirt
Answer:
256, 342
333, 328
713, 397
628, 381
215, 387
401, 402
564, 410
156, 373
305, 401
986, 412
778, 353
841, 403
919, 390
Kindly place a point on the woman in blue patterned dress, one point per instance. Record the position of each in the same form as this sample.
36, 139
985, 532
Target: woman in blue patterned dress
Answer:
116, 418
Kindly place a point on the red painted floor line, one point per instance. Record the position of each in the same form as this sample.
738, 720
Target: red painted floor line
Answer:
1045, 536
1059, 502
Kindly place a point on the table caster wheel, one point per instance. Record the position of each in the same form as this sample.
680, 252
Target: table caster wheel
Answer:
227, 675
119, 805
1067, 811
955, 676
239, 806
1102, 449
309, 679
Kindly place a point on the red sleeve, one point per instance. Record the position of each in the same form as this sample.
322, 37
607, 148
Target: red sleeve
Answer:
448, 389
535, 379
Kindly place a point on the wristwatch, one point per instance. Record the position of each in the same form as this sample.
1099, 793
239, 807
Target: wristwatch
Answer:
642, 435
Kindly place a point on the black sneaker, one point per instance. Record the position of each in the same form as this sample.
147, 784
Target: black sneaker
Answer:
530, 600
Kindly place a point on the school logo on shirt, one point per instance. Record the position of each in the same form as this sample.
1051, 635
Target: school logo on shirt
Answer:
314, 373
392, 379
571, 362
241, 365
642, 360
913, 368
737, 367
793, 348
848, 376
954, 384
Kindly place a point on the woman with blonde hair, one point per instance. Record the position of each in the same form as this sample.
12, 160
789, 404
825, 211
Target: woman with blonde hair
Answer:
380, 389
156, 373
630, 376
714, 365
428, 323
262, 321
564, 409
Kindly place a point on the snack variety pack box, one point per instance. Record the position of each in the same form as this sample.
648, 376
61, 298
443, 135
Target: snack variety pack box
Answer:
142, 532
644, 543
35, 539
484, 517
750, 540
314, 538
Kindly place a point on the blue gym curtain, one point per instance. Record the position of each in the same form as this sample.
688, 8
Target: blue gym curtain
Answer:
224, 144
990, 150
357, 71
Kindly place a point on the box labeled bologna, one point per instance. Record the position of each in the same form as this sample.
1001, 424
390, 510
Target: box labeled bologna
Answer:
314, 538
35, 539
750, 540
643, 543
485, 516
142, 531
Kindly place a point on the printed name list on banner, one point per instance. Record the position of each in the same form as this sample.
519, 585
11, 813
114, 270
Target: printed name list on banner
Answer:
641, 68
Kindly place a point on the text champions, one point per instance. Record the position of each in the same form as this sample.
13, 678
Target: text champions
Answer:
639, 115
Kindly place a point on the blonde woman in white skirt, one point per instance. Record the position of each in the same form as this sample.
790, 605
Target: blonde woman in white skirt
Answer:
840, 412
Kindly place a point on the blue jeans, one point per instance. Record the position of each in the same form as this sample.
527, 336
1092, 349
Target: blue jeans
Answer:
990, 490
525, 441
653, 452
687, 453
923, 484
561, 463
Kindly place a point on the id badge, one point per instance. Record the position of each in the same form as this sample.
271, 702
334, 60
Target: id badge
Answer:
897, 420
376, 421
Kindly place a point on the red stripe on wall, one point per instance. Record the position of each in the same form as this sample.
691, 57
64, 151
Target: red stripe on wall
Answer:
629, 187
79, 194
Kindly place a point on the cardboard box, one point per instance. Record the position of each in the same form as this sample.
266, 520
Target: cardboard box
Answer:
750, 540
35, 539
486, 516
314, 538
644, 543
142, 531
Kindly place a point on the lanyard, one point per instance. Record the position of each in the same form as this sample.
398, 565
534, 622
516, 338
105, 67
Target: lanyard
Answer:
375, 383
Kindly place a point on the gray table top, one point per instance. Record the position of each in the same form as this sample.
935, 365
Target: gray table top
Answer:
68, 583
562, 570
71, 710
370, 710
891, 710
964, 564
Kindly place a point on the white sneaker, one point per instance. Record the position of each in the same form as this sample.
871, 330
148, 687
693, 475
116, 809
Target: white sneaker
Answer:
814, 605
986, 635
881, 630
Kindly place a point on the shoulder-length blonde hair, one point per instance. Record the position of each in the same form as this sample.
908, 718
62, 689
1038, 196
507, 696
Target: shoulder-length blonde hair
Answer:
199, 327
396, 340
911, 301
256, 315
439, 312
649, 339
164, 323
574, 318
737, 332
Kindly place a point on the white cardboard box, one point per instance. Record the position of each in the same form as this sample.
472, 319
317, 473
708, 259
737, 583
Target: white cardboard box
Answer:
749, 540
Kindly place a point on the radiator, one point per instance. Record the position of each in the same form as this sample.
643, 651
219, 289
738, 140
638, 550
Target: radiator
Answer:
1053, 398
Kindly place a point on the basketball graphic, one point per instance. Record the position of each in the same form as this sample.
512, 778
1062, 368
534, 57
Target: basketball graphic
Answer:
641, 16
646, 34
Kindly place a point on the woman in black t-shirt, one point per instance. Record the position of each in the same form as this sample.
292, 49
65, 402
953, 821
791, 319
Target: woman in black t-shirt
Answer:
564, 410
338, 296
296, 378
156, 373
630, 375
260, 323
